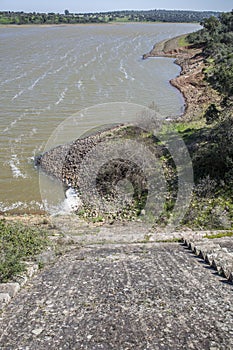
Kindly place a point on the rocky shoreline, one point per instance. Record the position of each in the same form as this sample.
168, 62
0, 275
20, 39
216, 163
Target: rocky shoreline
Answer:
72, 163
197, 93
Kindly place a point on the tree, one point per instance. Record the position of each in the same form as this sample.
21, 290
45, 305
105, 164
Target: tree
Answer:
211, 24
67, 12
212, 114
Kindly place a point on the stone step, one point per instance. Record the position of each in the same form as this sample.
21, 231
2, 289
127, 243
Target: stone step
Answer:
215, 254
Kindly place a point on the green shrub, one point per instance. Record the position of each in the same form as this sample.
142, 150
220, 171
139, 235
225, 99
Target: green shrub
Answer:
18, 243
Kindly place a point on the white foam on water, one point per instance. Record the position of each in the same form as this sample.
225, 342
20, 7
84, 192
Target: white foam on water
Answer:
135, 38
79, 85
18, 140
98, 47
100, 90
4, 207
37, 150
40, 110
33, 132
31, 87
64, 57
37, 81
123, 70
23, 137
100, 56
62, 96
93, 59
71, 203
13, 79
117, 47
66, 54
16, 120
57, 70
14, 165
17, 95
90, 61
12, 124
67, 207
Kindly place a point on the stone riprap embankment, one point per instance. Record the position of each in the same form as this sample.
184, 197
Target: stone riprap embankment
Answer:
62, 161
65, 163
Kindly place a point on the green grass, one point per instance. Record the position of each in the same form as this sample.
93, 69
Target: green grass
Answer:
5, 20
121, 19
97, 219
170, 240
17, 244
183, 126
182, 41
220, 235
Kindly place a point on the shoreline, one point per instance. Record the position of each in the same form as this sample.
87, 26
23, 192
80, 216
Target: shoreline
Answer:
197, 93
31, 25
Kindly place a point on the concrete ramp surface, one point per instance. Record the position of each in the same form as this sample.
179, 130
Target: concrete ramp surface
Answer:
122, 296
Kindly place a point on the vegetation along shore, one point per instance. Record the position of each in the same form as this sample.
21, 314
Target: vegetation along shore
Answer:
206, 81
22, 18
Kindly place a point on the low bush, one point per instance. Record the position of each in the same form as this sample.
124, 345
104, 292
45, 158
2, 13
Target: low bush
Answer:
18, 243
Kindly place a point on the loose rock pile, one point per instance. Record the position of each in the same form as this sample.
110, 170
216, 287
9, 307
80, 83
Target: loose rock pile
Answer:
64, 163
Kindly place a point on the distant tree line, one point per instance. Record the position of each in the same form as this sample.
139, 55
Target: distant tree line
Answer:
9, 17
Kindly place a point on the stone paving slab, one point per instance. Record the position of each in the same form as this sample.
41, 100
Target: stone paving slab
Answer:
134, 296
82, 232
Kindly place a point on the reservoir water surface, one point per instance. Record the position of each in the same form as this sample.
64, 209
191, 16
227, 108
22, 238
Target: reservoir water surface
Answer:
49, 73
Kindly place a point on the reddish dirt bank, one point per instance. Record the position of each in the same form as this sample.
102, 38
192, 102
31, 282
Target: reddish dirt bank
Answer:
197, 92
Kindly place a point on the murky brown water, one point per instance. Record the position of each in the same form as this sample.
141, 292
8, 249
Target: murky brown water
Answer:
49, 73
